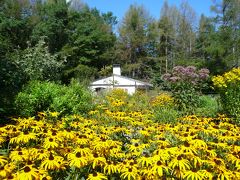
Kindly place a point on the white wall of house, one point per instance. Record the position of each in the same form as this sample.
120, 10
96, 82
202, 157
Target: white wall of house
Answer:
116, 81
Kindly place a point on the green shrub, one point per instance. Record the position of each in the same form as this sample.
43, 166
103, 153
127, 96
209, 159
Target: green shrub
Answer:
73, 99
228, 85
186, 85
42, 96
209, 106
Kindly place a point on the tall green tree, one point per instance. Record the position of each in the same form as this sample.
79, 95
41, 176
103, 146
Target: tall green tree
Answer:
132, 41
228, 21
186, 35
90, 42
51, 19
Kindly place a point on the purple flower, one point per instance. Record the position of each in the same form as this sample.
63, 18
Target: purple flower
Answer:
191, 69
174, 79
178, 70
166, 76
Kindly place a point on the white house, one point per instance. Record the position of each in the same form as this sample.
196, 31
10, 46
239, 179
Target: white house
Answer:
117, 81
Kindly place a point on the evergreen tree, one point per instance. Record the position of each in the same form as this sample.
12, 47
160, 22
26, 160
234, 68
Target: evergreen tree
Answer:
132, 42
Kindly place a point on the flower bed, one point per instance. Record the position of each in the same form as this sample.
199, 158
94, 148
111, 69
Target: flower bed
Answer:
120, 145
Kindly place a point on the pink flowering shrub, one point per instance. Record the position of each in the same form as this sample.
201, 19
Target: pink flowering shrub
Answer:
186, 84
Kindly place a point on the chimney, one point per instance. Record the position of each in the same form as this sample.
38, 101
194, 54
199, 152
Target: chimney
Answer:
116, 69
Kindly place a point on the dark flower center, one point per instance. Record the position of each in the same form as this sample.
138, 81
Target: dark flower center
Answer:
78, 155
29, 162
186, 144
51, 139
27, 169
159, 163
179, 158
95, 155
10, 176
131, 163
51, 157
94, 174
54, 133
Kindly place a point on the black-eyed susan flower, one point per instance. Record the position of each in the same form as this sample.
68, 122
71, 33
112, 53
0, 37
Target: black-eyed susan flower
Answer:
23, 137
129, 173
77, 160
52, 162
3, 160
180, 162
194, 174
18, 155
97, 160
45, 177
27, 173
3, 172
96, 176
207, 174
111, 167
159, 168
50, 143
145, 161
198, 143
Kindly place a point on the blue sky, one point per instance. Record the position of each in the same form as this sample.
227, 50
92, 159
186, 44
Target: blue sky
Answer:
119, 7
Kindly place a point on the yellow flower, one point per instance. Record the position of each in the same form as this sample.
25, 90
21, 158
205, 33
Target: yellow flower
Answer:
97, 160
162, 100
194, 174
50, 143
180, 162
129, 173
23, 137
54, 114
96, 176
3, 161
52, 162
159, 168
144, 161
111, 167
18, 155
77, 160
27, 173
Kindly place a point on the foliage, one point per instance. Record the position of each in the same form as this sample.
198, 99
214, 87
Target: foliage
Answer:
72, 99
119, 145
165, 115
11, 79
133, 40
228, 85
209, 106
90, 42
50, 21
38, 64
42, 96
186, 84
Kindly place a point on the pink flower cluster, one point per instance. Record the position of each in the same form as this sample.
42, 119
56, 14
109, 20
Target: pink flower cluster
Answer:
188, 74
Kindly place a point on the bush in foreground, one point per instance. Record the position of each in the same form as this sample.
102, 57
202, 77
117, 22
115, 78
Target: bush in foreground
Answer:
42, 96
186, 84
228, 85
